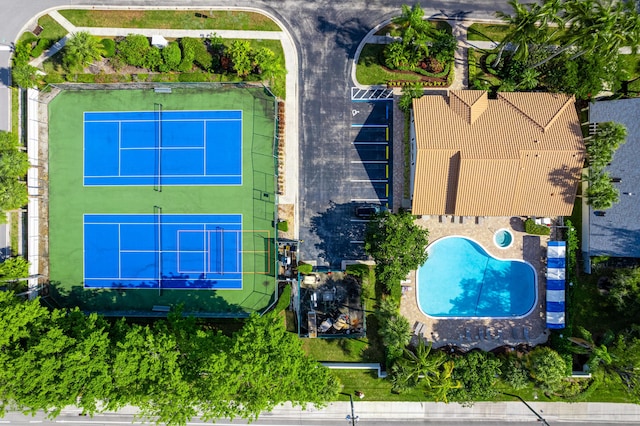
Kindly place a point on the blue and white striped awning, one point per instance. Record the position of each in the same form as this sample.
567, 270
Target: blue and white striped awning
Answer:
556, 272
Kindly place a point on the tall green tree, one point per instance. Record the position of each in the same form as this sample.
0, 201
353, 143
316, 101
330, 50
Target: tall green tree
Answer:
602, 146
270, 368
419, 366
13, 194
397, 244
625, 361
14, 268
81, 49
415, 33
394, 329
601, 193
625, 291
528, 25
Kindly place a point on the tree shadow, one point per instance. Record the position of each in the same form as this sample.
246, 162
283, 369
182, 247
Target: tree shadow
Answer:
564, 179
347, 34
339, 237
140, 302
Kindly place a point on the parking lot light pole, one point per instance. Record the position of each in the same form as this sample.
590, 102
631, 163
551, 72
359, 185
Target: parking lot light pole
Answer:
352, 418
540, 418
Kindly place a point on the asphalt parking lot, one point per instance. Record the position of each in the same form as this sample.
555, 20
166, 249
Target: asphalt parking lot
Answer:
360, 175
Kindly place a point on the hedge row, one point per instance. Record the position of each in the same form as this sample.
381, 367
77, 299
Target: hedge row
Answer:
406, 83
531, 227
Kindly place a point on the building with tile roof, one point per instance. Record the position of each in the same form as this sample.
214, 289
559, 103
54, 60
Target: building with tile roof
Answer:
616, 231
518, 155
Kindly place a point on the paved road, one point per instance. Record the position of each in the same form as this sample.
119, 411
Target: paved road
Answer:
326, 33
301, 420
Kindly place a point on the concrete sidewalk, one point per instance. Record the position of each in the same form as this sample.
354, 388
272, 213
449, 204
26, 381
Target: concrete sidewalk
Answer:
514, 411
290, 195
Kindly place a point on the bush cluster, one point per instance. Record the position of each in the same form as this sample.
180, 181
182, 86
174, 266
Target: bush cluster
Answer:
531, 227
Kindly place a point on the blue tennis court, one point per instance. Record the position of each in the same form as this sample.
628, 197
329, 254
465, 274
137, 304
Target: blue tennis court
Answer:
163, 148
163, 251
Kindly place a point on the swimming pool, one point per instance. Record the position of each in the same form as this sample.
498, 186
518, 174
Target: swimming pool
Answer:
460, 279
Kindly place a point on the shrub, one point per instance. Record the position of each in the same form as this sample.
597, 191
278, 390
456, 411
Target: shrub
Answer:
188, 54
531, 227
471, 60
53, 78
171, 56
153, 58
284, 300
193, 77
305, 268
133, 49
547, 368
85, 78
109, 47
514, 372
283, 226
42, 45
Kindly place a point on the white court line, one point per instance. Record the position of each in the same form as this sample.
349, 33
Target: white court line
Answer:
204, 146
119, 253
161, 148
119, 149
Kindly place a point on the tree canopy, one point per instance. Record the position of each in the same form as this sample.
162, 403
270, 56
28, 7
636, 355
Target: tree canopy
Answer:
397, 244
172, 369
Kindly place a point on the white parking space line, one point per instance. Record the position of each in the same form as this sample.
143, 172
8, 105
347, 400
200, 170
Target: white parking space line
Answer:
368, 162
370, 143
356, 242
367, 200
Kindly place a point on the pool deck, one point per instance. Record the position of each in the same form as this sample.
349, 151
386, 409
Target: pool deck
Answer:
481, 333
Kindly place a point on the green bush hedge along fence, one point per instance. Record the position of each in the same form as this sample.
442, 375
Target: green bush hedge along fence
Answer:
531, 227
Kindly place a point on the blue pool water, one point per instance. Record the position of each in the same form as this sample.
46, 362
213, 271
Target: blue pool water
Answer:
460, 279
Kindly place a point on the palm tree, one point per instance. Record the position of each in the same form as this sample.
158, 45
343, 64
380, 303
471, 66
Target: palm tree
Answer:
415, 32
598, 27
601, 193
421, 366
528, 24
82, 49
444, 383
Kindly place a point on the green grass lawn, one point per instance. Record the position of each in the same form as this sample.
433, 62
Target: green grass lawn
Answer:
490, 79
15, 109
183, 19
374, 389
370, 72
496, 32
487, 32
51, 30
336, 350
14, 217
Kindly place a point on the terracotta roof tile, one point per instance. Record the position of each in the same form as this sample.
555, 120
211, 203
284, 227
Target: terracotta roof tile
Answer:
520, 154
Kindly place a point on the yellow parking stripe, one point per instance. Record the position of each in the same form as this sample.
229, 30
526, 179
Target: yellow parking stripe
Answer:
387, 134
387, 167
387, 149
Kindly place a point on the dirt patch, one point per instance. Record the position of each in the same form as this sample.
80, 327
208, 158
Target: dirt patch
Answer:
286, 212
